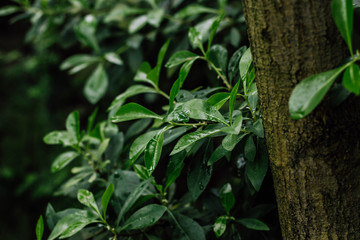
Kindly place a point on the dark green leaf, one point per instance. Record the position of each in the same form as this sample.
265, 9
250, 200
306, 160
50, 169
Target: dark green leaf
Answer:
133, 111
232, 100
220, 226
141, 171
186, 227
180, 57
105, 199
144, 217
142, 74
96, 85
72, 223
191, 138
174, 168
351, 78
153, 151
235, 128
172, 134
213, 29
193, 9
139, 145
253, 223
85, 32
310, 91
257, 169
154, 74
62, 160
219, 152
218, 55
233, 67
227, 198
91, 120
39, 228
250, 149
114, 58
258, 128
235, 37
137, 127
87, 198
218, 99
73, 124
231, 140
343, 14
137, 23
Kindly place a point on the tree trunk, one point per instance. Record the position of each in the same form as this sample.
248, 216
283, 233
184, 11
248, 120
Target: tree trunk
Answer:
315, 161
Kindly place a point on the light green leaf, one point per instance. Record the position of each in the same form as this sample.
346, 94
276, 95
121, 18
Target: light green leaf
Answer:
244, 65
142, 74
73, 124
257, 128
219, 152
96, 85
220, 226
113, 58
193, 9
62, 160
85, 32
39, 230
105, 198
137, 23
257, 169
87, 198
351, 78
250, 149
120, 11
191, 138
133, 111
218, 99
230, 141
232, 100
253, 223
139, 145
155, 16
227, 198
236, 127
180, 57
186, 227
144, 217
59, 137
310, 91
78, 62
91, 120
195, 38
141, 171
7, 10
174, 168
153, 151
72, 223
343, 14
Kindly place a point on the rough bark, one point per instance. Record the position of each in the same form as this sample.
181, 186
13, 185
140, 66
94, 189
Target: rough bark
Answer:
315, 161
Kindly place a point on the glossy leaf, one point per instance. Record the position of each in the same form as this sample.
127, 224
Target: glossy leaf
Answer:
62, 160
39, 230
73, 124
220, 226
142, 74
174, 168
253, 223
85, 32
244, 64
343, 14
232, 100
218, 99
105, 198
186, 228
235, 128
310, 91
133, 111
96, 85
174, 133
219, 153
195, 38
180, 57
87, 198
233, 66
141, 171
351, 78
78, 62
153, 151
137, 23
144, 217
114, 58
193, 9
231, 140
139, 145
257, 169
218, 55
191, 138
227, 198
250, 149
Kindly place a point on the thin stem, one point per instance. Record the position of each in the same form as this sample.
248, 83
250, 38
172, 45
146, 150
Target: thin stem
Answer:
227, 84
189, 124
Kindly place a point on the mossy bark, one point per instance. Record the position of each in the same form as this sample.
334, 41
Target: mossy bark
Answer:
315, 161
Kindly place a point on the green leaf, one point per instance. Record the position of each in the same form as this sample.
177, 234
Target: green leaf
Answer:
155, 16
343, 14
39, 230
120, 11
180, 57
59, 137
62, 160
137, 23
232, 100
154, 74
253, 223
310, 91
133, 111
233, 66
7, 10
195, 38
142, 74
191, 138
139, 145
174, 168
91, 120
144, 217
227, 198
250, 149
257, 128
186, 227
244, 65
257, 169
72, 223
87, 198
141, 171
85, 32
218, 99
230, 141
219, 152
218, 55
235, 128
96, 85
153, 151
78, 62
114, 58
73, 124
135, 195
193, 9
220, 226
213, 29
351, 78
105, 198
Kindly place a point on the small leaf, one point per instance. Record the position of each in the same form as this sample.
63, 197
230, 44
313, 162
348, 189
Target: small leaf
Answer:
113, 58
193, 9
218, 55
230, 141
351, 78
73, 124
85, 32
343, 14
7, 10
153, 151
96, 85
257, 169
191, 138
155, 16
219, 152
257, 128
227, 198
58, 137
310, 91
139, 145
78, 62
253, 223
220, 226
141, 171
235, 128
39, 228
218, 99
186, 227
144, 217
195, 38
250, 149
137, 23
72, 223
62, 160
174, 168
180, 57
87, 198
105, 199
142, 74
213, 29
133, 111
232, 100
233, 66
244, 64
